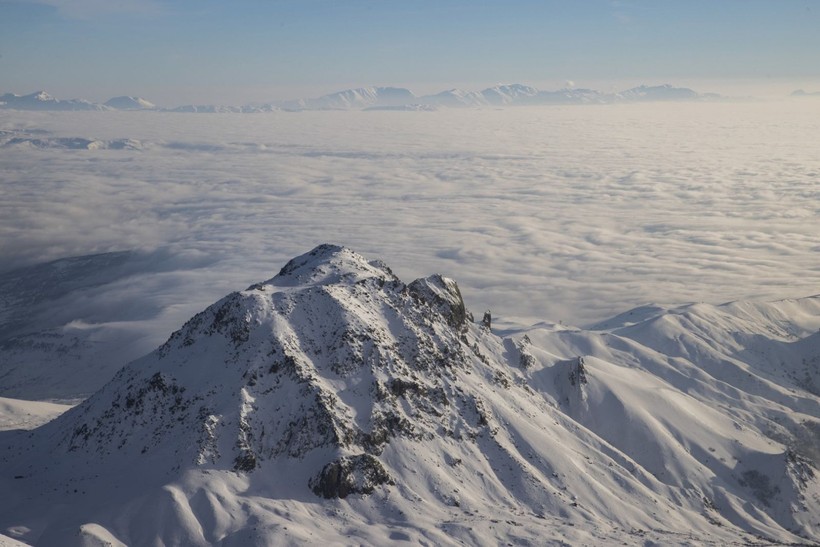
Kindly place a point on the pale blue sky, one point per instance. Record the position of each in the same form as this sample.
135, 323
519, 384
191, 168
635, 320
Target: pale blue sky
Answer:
182, 51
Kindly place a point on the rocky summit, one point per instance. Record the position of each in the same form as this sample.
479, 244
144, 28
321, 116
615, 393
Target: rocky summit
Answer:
335, 403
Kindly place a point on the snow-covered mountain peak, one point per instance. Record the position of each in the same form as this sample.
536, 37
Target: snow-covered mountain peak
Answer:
328, 264
359, 98
42, 96
336, 380
664, 92
127, 102
509, 94
312, 359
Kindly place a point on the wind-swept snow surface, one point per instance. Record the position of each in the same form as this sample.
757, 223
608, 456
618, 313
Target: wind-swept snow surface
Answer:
335, 404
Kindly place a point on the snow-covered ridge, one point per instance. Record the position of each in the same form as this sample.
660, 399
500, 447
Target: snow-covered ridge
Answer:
40, 100
379, 98
501, 95
334, 400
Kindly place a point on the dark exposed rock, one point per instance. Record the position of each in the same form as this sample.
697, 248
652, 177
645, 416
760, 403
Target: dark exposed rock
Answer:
526, 359
347, 475
400, 387
443, 296
760, 485
577, 372
246, 461
487, 320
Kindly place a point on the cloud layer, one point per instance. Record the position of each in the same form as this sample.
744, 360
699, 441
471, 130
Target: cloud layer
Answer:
561, 213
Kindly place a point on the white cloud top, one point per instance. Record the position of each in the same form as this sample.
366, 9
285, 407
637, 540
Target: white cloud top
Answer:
569, 214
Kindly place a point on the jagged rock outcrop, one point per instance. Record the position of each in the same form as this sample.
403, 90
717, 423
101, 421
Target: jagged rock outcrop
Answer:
359, 474
443, 296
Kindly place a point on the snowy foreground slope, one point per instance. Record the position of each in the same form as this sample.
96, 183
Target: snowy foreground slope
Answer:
333, 403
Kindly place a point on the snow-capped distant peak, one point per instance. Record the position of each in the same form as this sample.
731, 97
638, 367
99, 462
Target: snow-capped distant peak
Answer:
509, 94
663, 92
126, 102
359, 98
455, 97
41, 96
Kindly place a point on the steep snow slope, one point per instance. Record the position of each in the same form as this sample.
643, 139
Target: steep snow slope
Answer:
715, 398
333, 403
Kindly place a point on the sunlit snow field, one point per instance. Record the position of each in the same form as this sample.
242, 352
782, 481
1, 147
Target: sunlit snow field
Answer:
566, 214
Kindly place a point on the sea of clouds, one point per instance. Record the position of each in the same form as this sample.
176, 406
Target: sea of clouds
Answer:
568, 214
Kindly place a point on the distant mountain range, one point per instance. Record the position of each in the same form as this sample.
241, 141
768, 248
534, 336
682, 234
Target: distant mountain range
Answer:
381, 98
501, 95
